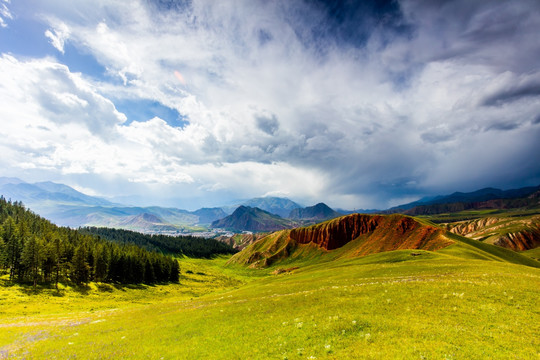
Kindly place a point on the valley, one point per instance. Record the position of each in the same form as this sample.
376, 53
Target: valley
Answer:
389, 305
379, 286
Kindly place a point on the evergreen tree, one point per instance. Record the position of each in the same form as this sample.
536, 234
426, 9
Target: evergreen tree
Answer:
58, 256
3, 252
34, 249
31, 257
13, 246
22, 235
175, 271
149, 275
101, 264
81, 270
49, 256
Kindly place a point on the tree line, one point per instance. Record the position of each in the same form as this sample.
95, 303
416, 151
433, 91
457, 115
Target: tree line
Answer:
32, 249
191, 246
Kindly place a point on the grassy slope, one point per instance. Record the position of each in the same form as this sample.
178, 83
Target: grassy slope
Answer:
387, 305
478, 214
534, 253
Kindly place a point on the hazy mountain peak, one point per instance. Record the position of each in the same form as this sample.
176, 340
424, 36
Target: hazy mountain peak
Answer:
275, 205
10, 180
317, 212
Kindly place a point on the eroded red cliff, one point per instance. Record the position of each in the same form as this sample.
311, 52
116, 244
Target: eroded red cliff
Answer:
375, 233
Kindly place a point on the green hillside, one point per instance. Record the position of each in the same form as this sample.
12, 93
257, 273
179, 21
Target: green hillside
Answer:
466, 300
385, 306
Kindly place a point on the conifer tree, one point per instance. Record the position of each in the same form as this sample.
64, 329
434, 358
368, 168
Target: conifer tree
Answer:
31, 257
81, 270
101, 264
175, 272
3, 254
13, 246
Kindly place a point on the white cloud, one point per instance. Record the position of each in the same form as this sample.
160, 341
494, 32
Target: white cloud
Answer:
58, 36
4, 14
271, 111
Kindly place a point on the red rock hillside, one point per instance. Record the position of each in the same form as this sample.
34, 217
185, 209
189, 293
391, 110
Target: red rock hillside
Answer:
385, 233
363, 235
515, 233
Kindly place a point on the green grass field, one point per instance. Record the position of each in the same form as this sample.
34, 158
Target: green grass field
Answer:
391, 305
478, 214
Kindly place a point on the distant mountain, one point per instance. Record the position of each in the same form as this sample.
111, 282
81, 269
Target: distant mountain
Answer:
145, 223
489, 198
357, 211
481, 195
209, 215
246, 218
40, 192
131, 217
274, 205
9, 180
66, 206
319, 212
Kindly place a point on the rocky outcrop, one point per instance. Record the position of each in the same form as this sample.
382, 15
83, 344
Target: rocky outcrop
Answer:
468, 227
517, 234
520, 241
378, 232
334, 234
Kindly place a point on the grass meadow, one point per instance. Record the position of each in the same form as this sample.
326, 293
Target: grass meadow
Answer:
386, 306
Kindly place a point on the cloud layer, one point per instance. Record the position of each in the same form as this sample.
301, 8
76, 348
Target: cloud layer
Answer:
358, 106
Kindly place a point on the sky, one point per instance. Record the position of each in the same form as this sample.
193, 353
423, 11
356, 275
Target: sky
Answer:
358, 104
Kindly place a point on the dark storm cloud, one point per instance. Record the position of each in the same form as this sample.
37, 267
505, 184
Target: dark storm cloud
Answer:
168, 5
353, 22
436, 136
264, 37
268, 124
513, 94
323, 25
499, 34
503, 126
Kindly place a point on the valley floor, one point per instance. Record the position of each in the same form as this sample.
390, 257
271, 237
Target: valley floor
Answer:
385, 306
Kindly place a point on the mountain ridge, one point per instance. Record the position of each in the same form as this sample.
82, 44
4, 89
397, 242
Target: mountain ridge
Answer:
360, 235
318, 212
477, 196
246, 218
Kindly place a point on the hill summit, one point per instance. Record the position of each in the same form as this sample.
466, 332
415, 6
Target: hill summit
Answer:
246, 218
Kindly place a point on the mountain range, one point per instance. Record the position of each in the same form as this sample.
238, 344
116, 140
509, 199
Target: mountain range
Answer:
246, 218
68, 207
479, 199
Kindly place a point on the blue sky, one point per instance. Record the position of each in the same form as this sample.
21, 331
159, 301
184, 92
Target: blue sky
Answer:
360, 104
